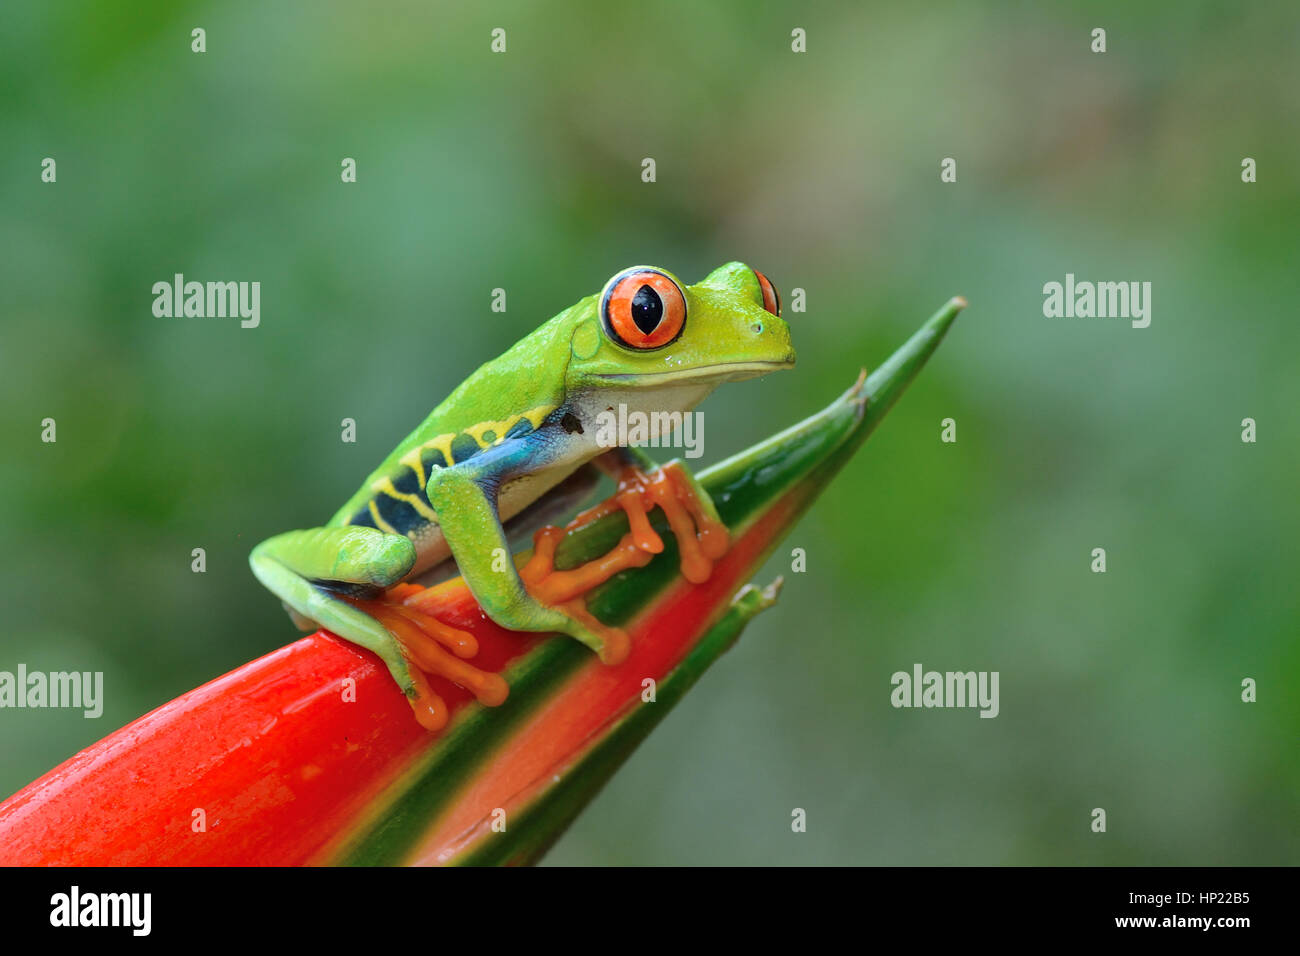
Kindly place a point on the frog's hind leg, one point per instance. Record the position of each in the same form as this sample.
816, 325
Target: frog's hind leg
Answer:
333, 577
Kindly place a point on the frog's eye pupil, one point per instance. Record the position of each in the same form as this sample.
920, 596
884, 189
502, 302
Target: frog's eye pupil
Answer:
643, 308
647, 309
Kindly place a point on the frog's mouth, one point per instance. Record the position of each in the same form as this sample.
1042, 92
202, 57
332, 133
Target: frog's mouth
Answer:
705, 374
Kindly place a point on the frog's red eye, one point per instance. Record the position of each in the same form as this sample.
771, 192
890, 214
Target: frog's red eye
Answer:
771, 298
643, 308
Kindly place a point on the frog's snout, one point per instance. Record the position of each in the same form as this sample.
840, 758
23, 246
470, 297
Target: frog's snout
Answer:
774, 339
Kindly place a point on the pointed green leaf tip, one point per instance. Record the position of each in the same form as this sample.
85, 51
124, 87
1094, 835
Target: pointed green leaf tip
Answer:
760, 494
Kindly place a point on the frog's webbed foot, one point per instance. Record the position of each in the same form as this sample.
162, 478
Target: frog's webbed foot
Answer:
701, 536
432, 647
565, 590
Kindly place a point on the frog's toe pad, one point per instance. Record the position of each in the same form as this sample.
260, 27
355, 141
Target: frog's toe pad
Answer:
433, 647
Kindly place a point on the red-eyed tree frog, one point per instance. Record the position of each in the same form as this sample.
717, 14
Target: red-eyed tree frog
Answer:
511, 443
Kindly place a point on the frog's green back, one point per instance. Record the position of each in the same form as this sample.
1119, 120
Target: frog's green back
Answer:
508, 396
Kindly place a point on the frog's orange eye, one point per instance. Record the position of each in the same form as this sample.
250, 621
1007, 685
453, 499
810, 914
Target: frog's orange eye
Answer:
771, 298
643, 308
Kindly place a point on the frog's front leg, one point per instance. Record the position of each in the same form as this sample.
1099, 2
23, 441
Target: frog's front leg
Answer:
465, 498
701, 536
333, 578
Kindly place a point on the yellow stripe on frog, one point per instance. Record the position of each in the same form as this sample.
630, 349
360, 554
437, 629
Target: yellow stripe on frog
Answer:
421, 507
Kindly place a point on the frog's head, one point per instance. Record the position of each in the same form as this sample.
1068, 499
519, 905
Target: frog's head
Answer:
647, 329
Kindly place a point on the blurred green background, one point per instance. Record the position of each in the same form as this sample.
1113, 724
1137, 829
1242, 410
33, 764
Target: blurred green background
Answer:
522, 171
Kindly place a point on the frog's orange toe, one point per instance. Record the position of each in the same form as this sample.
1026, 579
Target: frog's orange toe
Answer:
701, 538
432, 647
565, 590
615, 644
429, 708
631, 498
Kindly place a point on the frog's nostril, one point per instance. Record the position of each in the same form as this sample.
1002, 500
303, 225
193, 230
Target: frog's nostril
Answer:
757, 327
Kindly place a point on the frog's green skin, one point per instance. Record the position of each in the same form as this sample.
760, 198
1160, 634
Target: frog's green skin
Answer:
507, 436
